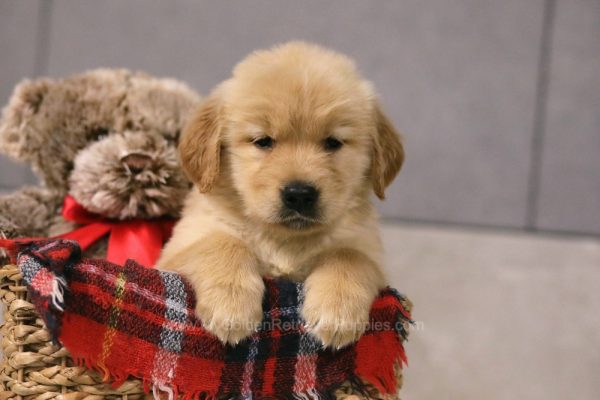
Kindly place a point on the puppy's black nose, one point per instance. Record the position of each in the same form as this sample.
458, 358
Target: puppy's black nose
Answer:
300, 196
136, 162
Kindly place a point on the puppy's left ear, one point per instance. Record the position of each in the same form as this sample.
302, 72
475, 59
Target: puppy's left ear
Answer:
388, 153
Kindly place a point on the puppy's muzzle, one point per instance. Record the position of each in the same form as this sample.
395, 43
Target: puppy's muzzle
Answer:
300, 197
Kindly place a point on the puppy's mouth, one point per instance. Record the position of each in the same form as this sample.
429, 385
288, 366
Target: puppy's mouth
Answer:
295, 220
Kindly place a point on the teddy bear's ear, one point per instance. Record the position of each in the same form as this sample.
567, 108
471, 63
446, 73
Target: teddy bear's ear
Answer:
16, 128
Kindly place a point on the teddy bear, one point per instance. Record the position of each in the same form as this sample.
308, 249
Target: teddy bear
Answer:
105, 139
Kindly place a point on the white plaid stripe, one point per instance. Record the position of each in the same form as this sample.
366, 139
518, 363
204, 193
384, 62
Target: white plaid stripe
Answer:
305, 376
29, 267
171, 336
249, 368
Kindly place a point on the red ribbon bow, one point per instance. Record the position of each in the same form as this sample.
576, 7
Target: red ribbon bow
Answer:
138, 239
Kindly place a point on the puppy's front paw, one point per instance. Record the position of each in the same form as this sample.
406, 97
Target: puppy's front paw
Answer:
231, 313
336, 318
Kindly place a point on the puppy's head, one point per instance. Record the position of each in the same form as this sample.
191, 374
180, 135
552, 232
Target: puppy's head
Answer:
296, 135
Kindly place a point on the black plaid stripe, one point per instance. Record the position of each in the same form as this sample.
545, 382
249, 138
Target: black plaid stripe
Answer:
285, 366
235, 359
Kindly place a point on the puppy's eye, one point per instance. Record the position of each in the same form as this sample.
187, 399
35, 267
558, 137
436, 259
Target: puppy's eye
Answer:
333, 144
265, 142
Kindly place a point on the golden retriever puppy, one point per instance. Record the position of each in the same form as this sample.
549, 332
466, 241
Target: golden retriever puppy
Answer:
284, 156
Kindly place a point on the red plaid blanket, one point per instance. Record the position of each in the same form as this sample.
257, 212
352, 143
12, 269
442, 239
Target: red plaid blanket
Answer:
130, 320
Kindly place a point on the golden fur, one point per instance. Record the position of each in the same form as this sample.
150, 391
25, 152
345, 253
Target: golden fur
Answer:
231, 233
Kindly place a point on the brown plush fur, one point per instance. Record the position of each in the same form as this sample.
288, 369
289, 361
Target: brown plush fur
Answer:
107, 137
232, 231
134, 175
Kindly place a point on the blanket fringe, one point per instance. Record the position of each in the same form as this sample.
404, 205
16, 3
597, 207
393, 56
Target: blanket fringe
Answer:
384, 378
382, 373
311, 394
158, 390
59, 285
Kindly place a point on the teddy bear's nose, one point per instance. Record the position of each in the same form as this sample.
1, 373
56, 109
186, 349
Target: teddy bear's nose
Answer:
136, 162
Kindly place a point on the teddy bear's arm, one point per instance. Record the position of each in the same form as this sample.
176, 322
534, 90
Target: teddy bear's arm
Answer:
28, 212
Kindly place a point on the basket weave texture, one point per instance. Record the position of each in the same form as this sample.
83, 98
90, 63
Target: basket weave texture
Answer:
34, 368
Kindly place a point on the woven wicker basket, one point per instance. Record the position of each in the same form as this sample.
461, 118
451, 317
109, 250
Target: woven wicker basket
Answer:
32, 367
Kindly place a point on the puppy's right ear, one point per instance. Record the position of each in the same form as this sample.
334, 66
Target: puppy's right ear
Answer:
200, 144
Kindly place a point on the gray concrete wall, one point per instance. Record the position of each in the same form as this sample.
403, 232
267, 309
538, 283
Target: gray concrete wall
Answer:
499, 101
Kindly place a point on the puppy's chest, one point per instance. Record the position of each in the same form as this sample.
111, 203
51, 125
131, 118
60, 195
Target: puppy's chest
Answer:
290, 259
